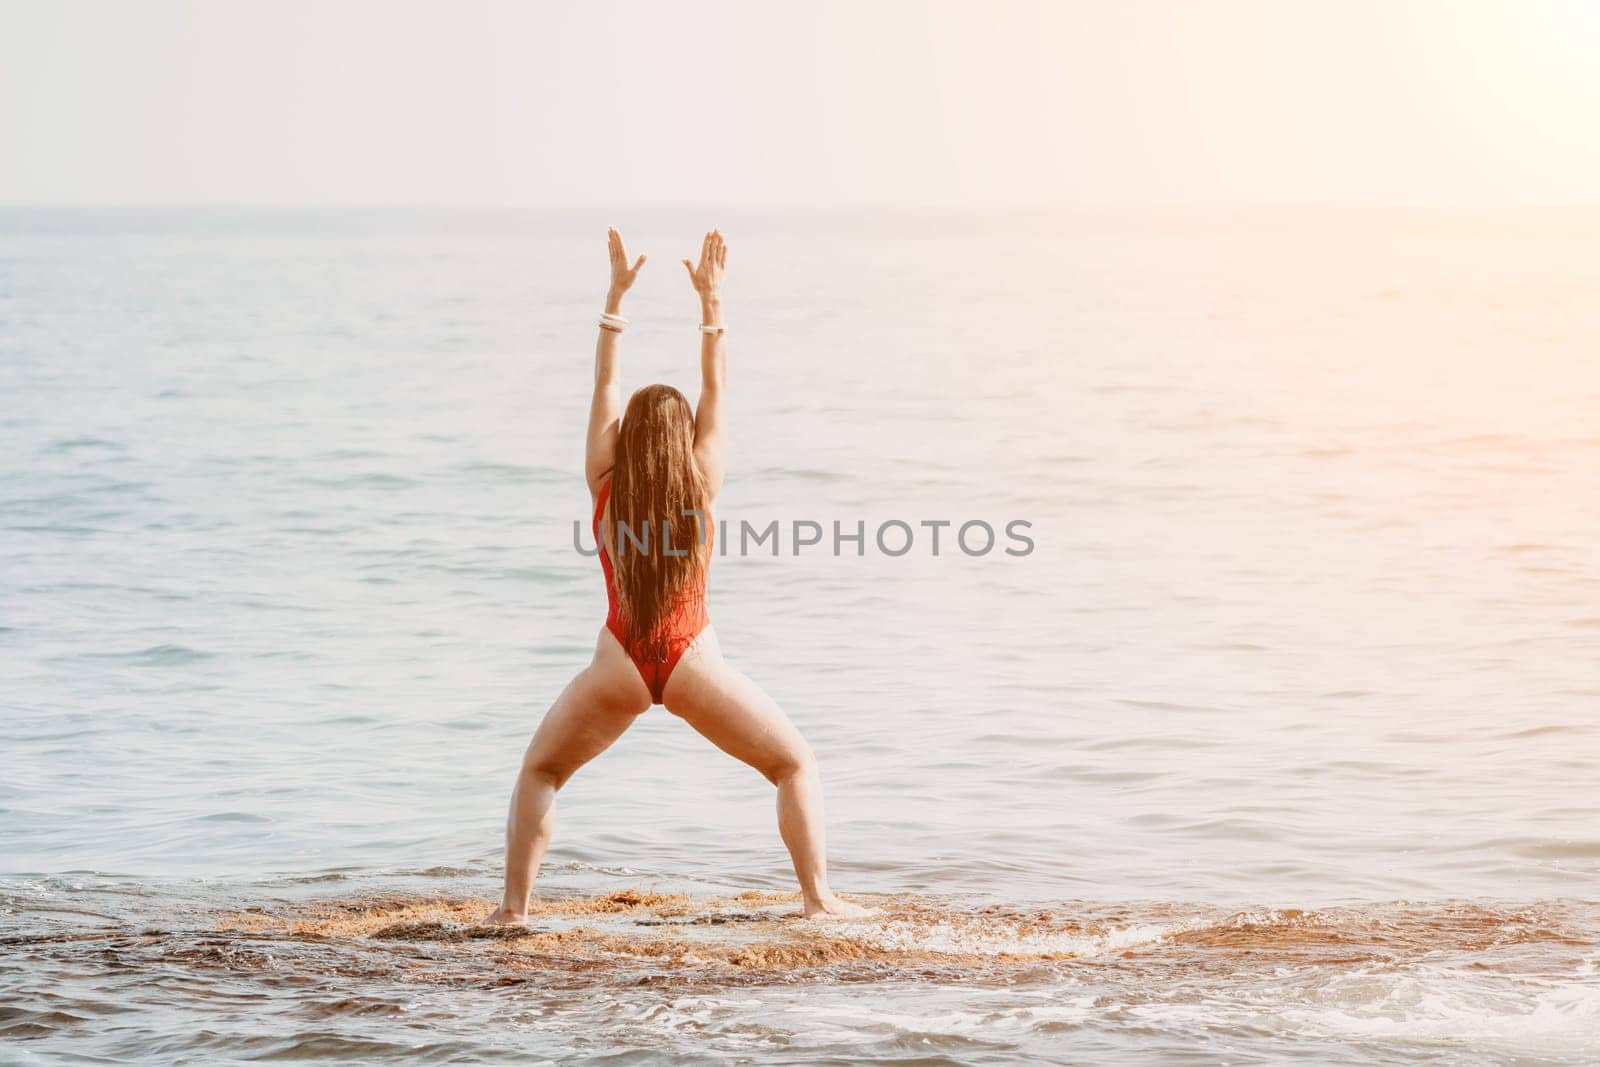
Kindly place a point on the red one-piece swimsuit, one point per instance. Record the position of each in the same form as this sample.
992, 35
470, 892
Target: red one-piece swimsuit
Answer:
687, 619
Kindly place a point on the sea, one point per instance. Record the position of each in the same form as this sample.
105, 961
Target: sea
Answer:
1195, 616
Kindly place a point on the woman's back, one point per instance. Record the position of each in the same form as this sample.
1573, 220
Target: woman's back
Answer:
681, 618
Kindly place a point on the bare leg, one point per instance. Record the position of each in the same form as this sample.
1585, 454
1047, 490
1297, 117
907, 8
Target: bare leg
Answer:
593, 711
739, 717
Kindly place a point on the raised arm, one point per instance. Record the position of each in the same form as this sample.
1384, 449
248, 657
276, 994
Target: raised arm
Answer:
710, 426
605, 410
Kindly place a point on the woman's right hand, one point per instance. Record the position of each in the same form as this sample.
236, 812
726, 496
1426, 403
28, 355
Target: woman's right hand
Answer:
706, 277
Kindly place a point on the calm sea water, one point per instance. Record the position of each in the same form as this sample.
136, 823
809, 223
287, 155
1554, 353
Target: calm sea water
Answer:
1282, 742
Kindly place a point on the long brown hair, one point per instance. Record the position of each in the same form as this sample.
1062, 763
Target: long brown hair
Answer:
655, 481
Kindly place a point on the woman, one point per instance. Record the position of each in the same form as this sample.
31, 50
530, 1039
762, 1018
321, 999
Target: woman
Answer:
653, 475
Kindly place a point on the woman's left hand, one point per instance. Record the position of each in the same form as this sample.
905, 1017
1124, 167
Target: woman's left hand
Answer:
622, 275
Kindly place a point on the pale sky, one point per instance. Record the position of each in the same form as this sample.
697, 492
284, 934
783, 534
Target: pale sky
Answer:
753, 103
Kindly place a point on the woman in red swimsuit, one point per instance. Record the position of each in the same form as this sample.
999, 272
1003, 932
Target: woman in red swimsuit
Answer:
653, 472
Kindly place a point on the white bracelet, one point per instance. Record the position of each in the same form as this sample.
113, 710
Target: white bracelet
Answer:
708, 328
613, 322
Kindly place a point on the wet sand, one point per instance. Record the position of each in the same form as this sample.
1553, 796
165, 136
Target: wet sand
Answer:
762, 933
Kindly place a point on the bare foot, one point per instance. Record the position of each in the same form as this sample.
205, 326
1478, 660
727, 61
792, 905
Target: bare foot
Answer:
835, 907
502, 916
